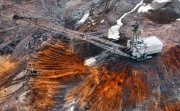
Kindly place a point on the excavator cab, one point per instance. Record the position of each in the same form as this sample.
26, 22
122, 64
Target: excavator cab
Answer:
142, 48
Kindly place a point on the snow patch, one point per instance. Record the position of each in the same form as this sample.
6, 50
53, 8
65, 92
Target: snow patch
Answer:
90, 61
113, 32
156, 4
145, 8
84, 18
102, 21
162, 1
70, 106
178, 19
20, 75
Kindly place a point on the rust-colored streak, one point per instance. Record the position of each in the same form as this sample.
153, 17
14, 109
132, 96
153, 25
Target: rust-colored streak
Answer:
57, 59
6, 65
171, 107
112, 92
171, 59
53, 63
44, 91
85, 89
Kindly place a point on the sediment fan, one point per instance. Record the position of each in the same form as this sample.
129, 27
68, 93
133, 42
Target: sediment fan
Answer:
57, 67
148, 85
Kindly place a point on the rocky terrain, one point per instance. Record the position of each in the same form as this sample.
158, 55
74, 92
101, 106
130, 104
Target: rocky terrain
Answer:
42, 69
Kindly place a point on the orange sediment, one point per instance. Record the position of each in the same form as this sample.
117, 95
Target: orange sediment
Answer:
6, 65
54, 63
109, 93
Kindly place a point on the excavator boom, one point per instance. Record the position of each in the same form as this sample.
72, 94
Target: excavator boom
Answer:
71, 34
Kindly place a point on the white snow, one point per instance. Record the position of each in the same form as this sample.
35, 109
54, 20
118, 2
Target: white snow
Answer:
102, 21
113, 32
84, 18
144, 8
178, 19
162, 1
156, 4
90, 61
70, 106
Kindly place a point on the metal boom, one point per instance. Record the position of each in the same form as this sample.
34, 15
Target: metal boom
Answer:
100, 42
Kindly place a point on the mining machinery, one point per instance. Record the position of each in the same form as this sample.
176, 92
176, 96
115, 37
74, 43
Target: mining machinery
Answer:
138, 48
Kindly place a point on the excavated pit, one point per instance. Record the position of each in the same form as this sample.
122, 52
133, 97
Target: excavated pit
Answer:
45, 70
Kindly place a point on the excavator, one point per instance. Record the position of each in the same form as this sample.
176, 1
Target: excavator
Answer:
138, 48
